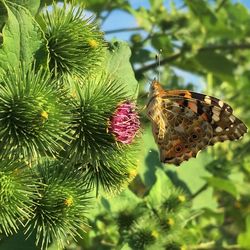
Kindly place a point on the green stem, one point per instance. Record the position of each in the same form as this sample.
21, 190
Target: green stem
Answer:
122, 30
220, 5
202, 188
104, 18
156, 64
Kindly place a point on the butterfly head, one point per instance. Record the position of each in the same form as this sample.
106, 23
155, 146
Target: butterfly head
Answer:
155, 88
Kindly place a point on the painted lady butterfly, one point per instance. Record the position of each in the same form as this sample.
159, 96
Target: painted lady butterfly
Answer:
186, 122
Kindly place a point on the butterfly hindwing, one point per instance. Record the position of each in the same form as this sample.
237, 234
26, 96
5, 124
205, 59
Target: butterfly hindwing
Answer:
186, 134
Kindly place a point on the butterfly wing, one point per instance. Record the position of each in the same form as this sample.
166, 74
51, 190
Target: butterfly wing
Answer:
225, 125
185, 122
179, 132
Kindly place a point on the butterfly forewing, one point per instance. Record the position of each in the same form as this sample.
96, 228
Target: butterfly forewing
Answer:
185, 122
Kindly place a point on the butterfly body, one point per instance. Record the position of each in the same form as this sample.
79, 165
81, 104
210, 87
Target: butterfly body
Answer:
185, 122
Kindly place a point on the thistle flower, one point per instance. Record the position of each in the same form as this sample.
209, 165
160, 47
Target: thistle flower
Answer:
33, 114
144, 234
124, 123
61, 205
16, 195
75, 43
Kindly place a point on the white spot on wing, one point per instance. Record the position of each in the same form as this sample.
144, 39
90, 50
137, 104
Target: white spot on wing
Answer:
207, 99
232, 118
216, 114
215, 118
221, 103
238, 133
218, 129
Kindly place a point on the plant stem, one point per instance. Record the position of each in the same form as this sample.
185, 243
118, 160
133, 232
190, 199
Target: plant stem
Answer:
122, 30
220, 5
202, 188
156, 64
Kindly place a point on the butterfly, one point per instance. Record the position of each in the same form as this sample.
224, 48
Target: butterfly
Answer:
185, 122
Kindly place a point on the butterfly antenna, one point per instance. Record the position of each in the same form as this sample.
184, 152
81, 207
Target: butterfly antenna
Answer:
158, 60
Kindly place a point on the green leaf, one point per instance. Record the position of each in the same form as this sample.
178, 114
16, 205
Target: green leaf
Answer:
3, 15
10, 50
238, 13
141, 56
126, 199
119, 68
222, 184
231, 23
22, 37
126, 247
160, 189
205, 199
102, 5
192, 174
148, 158
31, 35
156, 4
217, 64
201, 10
244, 238
31, 5
161, 41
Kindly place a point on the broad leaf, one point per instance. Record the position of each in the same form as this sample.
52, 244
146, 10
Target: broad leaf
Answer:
101, 5
31, 5
156, 4
223, 184
244, 238
201, 10
161, 41
119, 68
126, 199
3, 15
217, 64
190, 176
10, 49
148, 158
22, 38
160, 190
31, 35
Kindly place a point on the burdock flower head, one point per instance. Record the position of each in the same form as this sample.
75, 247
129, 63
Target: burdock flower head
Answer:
125, 122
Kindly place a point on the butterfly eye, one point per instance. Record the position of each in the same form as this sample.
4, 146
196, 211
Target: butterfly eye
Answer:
194, 136
178, 148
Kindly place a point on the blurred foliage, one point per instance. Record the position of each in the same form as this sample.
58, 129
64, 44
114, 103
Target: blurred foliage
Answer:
205, 203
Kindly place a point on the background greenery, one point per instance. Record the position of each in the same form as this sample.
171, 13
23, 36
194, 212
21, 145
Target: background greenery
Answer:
205, 203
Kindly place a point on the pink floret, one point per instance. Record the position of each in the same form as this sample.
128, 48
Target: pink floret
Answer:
125, 122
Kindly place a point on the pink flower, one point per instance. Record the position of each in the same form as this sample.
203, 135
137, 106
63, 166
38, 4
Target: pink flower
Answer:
125, 122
